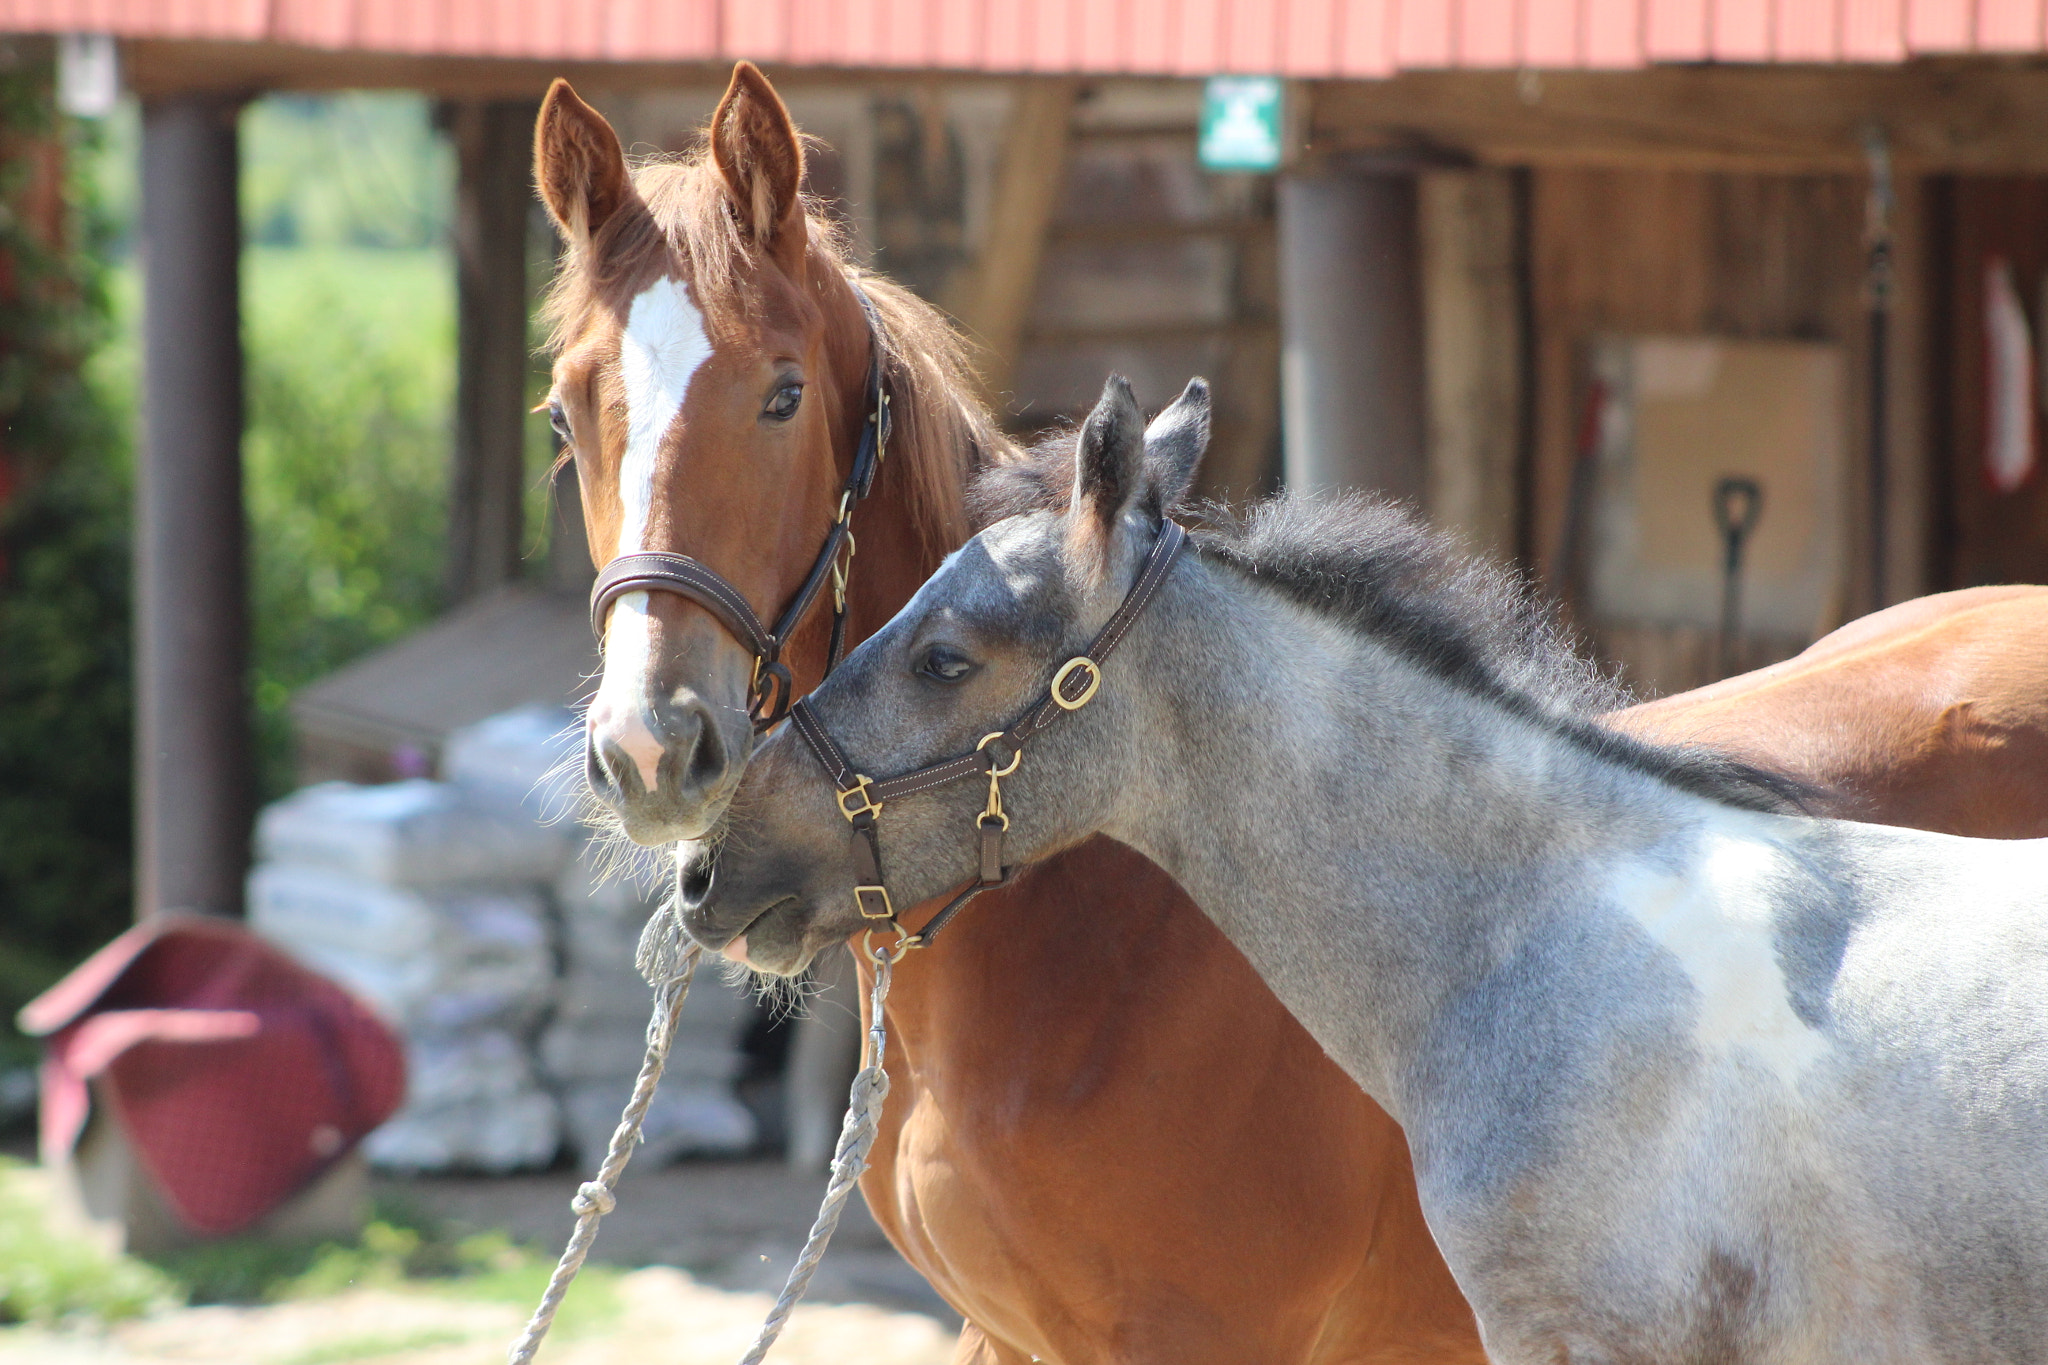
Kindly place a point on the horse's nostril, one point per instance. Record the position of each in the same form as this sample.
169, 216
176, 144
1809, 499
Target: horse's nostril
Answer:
707, 759
694, 884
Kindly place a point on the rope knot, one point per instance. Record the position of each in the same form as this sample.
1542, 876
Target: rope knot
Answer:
591, 1197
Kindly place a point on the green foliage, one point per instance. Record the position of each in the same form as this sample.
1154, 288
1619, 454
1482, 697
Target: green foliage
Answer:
363, 169
46, 1277
64, 702
351, 382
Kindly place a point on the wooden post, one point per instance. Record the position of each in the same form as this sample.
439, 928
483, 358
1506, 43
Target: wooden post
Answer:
194, 775
1351, 378
1472, 330
993, 302
494, 154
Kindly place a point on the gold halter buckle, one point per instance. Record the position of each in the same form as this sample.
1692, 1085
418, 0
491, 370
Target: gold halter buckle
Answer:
1059, 683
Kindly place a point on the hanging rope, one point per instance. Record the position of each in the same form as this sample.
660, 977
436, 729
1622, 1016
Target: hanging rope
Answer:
668, 960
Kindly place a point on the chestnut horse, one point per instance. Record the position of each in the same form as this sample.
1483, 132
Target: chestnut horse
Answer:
1105, 1140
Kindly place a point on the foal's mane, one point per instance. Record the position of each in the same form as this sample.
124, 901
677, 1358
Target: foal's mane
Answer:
1378, 568
942, 433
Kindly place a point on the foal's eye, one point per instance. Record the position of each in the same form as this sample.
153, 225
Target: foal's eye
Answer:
943, 663
782, 406
558, 418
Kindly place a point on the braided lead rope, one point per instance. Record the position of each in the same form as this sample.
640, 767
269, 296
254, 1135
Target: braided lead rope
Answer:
595, 1198
856, 1139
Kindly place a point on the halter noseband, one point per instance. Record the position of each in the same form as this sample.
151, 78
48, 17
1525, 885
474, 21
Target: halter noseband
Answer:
1073, 686
771, 690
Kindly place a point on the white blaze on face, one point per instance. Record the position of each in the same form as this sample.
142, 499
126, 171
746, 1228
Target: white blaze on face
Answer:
663, 347
1715, 918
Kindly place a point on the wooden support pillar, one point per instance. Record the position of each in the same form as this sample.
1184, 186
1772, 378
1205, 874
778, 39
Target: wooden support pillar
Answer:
993, 300
494, 155
1351, 372
1472, 329
194, 778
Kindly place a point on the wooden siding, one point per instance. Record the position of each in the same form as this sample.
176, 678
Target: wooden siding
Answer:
1729, 255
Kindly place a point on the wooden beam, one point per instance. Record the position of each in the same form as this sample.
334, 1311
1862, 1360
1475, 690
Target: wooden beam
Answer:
993, 299
486, 493
1962, 115
1472, 334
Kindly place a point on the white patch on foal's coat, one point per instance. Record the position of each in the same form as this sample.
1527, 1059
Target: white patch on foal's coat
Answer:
1714, 917
663, 347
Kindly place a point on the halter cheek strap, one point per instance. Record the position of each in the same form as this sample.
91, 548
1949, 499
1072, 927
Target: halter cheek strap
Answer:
861, 798
661, 571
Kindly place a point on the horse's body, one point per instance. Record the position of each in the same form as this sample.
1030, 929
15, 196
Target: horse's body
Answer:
1105, 1141
1684, 1079
1933, 713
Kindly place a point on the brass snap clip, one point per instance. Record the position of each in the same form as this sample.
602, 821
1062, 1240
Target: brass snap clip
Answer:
994, 811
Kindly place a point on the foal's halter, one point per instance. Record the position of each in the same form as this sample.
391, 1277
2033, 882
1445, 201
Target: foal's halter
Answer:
770, 691
861, 798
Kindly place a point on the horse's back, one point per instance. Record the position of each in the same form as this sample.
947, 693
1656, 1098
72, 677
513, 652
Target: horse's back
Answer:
1932, 714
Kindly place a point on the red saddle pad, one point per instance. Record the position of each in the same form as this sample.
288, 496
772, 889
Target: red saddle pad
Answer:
238, 1075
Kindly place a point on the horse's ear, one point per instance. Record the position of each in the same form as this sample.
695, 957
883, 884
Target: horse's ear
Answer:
1109, 462
578, 164
1174, 446
755, 147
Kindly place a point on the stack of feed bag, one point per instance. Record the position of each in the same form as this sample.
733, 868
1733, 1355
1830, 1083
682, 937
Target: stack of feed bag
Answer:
433, 908
593, 1049
530, 761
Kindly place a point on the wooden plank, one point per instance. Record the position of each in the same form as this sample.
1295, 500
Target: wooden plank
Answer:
1947, 115
1734, 255
1120, 233
1472, 331
993, 300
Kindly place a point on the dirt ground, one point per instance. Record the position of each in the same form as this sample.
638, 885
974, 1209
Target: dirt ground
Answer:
730, 1224
708, 1244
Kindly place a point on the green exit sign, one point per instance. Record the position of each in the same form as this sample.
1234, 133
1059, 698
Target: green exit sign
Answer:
1241, 123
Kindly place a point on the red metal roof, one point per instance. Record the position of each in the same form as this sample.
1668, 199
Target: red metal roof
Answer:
1307, 38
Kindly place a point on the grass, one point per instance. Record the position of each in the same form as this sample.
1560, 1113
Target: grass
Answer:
49, 1280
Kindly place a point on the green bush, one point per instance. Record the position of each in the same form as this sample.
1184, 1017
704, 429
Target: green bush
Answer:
351, 380
65, 730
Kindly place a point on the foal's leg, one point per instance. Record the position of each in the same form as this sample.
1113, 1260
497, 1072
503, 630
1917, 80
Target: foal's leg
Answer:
975, 1348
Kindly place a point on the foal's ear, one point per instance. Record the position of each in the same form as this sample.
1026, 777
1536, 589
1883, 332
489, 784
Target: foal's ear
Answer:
578, 164
1109, 463
1175, 444
755, 147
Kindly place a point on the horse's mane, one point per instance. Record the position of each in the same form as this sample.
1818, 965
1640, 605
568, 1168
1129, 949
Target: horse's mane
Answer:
1375, 566
942, 433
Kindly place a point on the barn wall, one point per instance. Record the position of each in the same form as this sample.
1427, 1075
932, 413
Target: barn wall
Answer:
1731, 255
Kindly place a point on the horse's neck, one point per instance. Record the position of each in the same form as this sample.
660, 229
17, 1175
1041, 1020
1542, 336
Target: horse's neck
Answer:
1373, 838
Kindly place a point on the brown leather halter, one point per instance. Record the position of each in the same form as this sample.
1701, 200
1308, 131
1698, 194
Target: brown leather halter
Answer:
770, 692
1073, 686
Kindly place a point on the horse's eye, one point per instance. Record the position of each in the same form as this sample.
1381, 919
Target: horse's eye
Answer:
943, 663
558, 418
782, 406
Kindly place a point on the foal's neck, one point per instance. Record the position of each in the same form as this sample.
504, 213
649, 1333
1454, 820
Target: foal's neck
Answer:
1374, 838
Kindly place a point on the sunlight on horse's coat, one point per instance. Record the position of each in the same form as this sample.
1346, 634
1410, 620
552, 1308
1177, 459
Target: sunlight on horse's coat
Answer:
1717, 924
663, 347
